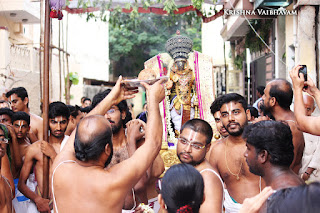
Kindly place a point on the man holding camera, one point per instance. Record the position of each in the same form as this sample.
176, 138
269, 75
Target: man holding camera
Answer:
306, 123
277, 99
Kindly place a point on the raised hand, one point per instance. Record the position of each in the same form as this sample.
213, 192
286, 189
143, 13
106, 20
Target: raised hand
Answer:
297, 78
254, 204
135, 130
11, 130
48, 149
156, 91
311, 89
119, 92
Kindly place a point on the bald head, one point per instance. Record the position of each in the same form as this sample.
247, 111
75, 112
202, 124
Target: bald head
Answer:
92, 135
281, 89
308, 104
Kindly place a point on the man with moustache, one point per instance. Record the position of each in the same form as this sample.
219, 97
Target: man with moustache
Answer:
58, 122
20, 102
270, 152
119, 116
227, 157
193, 143
277, 99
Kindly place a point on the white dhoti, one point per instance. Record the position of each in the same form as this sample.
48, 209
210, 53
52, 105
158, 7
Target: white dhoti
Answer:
21, 203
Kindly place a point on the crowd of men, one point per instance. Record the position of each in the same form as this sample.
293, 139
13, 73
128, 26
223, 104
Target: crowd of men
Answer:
103, 160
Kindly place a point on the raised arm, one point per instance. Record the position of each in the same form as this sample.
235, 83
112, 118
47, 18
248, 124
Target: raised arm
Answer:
129, 171
14, 149
117, 94
306, 123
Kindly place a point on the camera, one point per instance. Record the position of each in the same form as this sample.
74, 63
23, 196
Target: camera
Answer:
303, 70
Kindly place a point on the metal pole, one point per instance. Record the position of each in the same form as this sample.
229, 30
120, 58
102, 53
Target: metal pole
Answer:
67, 63
45, 190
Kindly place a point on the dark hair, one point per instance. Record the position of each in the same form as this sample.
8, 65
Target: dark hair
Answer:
282, 94
260, 90
273, 136
123, 106
93, 146
21, 92
234, 97
216, 105
182, 185
58, 109
253, 111
5, 130
6, 111
74, 110
299, 199
21, 116
85, 109
82, 99
86, 99
200, 126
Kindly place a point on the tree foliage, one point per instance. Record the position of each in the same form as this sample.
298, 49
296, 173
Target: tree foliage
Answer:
131, 43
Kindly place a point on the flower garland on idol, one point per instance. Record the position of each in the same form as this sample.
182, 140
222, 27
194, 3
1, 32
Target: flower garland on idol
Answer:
171, 139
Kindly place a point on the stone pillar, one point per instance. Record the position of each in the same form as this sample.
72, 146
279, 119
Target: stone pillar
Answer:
306, 50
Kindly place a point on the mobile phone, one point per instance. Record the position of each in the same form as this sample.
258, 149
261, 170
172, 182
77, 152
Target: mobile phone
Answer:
303, 70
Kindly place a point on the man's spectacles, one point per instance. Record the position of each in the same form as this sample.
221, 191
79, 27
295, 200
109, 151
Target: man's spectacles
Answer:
193, 145
111, 111
4, 141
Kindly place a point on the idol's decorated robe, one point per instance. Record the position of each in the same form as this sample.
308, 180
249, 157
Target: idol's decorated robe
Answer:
189, 94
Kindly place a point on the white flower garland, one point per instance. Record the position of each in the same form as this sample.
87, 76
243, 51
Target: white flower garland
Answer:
171, 137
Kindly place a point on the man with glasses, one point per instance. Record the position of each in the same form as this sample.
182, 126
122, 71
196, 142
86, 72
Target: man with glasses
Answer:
193, 144
119, 117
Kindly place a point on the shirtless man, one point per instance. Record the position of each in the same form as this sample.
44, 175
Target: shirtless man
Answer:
58, 121
306, 123
270, 153
6, 179
20, 102
6, 118
215, 111
118, 116
21, 127
227, 157
75, 117
193, 143
92, 152
277, 99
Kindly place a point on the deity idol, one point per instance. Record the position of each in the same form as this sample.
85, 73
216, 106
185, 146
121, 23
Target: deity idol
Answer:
189, 91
